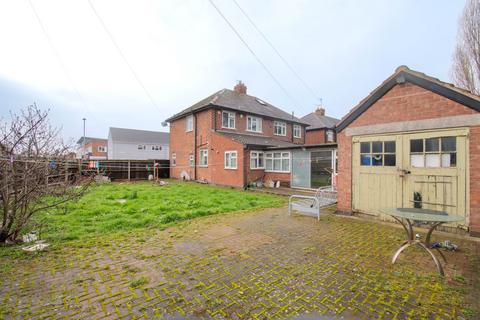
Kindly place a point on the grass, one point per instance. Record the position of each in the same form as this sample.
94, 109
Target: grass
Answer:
119, 207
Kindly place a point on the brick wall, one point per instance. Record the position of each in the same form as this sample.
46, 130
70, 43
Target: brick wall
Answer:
284, 178
408, 102
315, 136
267, 127
220, 175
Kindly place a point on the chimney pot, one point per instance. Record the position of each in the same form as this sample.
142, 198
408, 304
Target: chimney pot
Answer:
240, 87
320, 111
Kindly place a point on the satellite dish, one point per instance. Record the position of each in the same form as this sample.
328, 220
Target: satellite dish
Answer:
164, 124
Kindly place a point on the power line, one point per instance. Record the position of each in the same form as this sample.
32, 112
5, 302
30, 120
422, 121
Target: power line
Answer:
57, 54
135, 75
253, 52
309, 88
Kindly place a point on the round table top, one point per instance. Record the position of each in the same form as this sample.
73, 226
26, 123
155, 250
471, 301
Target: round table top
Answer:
422, 214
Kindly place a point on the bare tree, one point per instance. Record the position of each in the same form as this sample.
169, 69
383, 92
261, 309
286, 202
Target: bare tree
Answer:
33, 171
466, 58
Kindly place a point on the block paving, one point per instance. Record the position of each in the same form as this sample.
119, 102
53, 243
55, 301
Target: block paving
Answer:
256, 265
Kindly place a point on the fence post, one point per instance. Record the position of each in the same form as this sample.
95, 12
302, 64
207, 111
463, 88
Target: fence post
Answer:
66, 170
128, 170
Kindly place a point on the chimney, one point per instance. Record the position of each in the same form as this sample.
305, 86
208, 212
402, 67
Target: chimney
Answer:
320, 111
240, 87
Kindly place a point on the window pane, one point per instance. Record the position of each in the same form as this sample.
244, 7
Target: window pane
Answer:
416, 145
366, 160
277, 164
389, 160
276, 155
377, 147
253, 163
449, 144
432, 160
416, 160
365, 147
285, 155
449, 160
390, 146
432, 144
377, 160
285, 165
260, 160
268, 164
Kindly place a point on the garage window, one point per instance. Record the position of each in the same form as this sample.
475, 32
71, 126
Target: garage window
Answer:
378, 153
433, 152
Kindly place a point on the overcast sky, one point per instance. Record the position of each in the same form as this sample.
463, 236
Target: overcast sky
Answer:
182, 51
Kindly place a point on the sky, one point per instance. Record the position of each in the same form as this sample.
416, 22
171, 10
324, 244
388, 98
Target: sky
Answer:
181, 51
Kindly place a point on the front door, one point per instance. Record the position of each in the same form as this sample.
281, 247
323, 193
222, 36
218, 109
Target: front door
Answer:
426, 169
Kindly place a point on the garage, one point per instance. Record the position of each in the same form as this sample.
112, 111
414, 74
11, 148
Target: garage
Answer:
413, 142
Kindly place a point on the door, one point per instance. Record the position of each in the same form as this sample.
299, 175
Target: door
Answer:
435, 171
300, 169
424, 169
321, 168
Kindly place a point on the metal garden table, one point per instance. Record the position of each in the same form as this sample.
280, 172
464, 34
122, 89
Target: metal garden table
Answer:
407, 217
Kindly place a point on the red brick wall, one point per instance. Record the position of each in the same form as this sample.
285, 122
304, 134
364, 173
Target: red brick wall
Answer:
408, 102
252, 174
315, 136
220, 175
267, 127
284, 178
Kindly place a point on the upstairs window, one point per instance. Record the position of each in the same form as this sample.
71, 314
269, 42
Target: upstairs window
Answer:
256, 160
433, 152
189, 123
204, 157
228, 120
230, 159
254, 124
330, 136
279, 128
378, 153
297, 131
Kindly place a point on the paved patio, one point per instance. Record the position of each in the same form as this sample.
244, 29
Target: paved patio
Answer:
257, 265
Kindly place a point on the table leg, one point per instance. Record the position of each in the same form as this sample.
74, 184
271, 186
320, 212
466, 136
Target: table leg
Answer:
439, 265
405, 246
408, 230
429, 234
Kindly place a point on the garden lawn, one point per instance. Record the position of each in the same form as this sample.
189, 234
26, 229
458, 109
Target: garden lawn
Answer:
118, 207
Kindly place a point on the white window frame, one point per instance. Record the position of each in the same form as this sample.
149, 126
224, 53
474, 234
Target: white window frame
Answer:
189, 123
228, 160
330, 135
258, 122
283, 128
270, 156
255, 155
102, 149
297, 127
230, 117
174, 159
203, 158
191, 160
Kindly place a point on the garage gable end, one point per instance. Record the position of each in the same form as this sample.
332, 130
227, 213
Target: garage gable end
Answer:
403, 75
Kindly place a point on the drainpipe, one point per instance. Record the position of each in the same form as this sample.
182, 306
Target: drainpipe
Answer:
194, 147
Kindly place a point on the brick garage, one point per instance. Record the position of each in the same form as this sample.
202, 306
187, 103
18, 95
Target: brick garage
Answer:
410, 102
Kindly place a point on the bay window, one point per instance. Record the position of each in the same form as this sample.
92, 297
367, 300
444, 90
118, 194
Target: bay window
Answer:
277, 161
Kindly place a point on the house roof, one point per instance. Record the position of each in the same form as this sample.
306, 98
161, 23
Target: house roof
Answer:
88, 139
138, 136
257, 141
317, 121
233, 100
404, 74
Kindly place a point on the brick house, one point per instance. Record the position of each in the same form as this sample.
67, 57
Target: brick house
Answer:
321, 128
232, 138
93, 149
412, 142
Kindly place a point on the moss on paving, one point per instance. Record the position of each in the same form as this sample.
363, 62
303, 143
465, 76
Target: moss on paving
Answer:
254, 265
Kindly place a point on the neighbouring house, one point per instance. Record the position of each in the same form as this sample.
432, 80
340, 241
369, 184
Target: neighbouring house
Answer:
92, 149
132, 144
321, 128
412, 142
235, 139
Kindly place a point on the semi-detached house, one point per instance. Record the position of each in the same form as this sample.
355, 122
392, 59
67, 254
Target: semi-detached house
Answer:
235, 139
